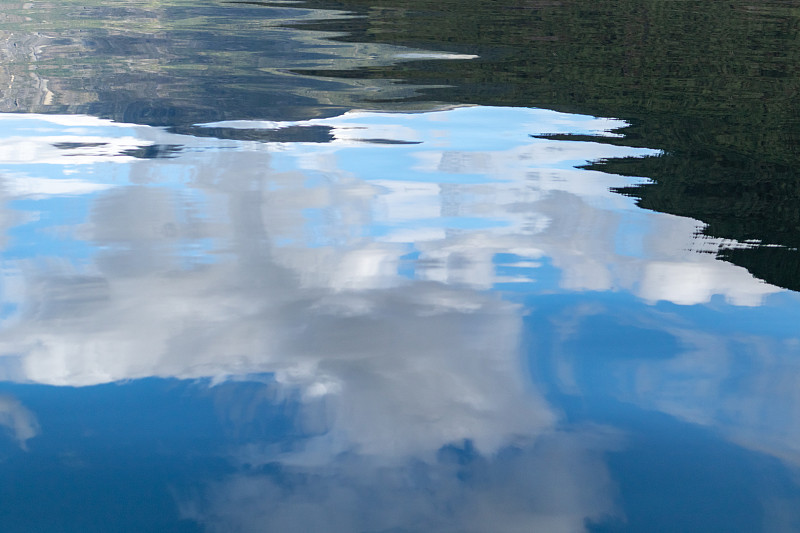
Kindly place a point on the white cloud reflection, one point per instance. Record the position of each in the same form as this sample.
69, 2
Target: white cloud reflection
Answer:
302, 220
18, 420
326, 262
357, 274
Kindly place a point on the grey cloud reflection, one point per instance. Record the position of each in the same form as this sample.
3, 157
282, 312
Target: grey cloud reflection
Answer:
559, 484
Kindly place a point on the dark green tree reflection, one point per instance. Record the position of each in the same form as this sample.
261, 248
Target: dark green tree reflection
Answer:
715, 85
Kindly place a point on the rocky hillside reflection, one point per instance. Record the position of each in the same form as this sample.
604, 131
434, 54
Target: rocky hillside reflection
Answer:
175, 63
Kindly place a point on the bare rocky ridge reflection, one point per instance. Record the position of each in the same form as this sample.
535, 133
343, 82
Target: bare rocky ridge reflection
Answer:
177, 63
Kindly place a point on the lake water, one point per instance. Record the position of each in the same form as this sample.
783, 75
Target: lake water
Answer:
369, 266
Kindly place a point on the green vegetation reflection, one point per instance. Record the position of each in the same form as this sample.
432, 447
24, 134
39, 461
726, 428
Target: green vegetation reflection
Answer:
716, 85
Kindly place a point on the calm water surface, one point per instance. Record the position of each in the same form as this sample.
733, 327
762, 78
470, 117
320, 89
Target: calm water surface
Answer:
359, 267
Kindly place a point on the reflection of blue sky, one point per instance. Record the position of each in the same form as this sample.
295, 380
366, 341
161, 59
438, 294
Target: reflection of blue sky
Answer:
729, 368
378, 297
462, 130
40, 236
725, 456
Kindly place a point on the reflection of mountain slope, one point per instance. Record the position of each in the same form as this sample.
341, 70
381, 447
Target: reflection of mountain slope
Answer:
715, 85
175, 63
696, 74
741, 198
19, 87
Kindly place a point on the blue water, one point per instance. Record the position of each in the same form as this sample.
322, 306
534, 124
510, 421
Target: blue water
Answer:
467, 332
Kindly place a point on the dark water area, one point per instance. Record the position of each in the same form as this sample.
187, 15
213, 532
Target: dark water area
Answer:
716, 86
408, 266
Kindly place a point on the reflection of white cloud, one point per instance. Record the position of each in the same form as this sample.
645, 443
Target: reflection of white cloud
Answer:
654, 258
690, 283
472, 123
358, 283
37, 187
328, 218
433, 55
404, 371
20, 421
65, 139
358, 275
46, 150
